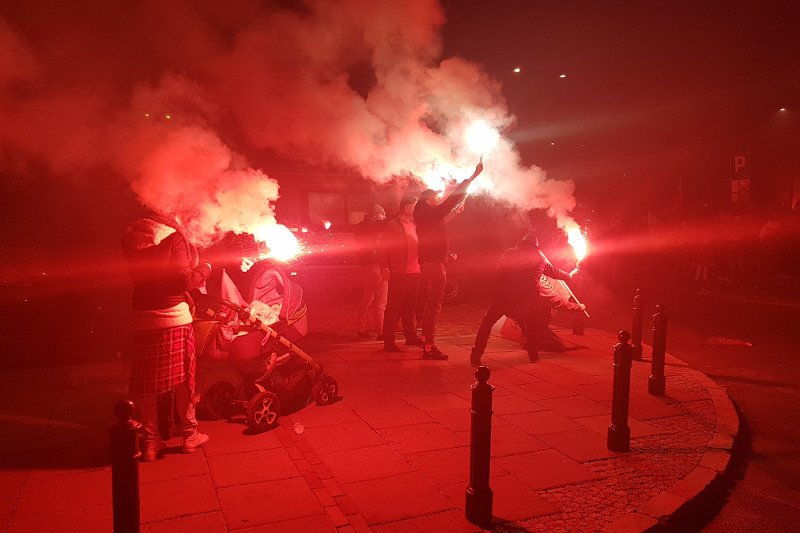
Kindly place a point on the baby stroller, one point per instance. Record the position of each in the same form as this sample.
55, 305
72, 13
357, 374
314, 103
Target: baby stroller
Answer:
258, 340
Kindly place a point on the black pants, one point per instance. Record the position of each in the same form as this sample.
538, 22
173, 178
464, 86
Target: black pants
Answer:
523, 312
400, 303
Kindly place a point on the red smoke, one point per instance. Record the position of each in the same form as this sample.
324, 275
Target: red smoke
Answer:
159, 93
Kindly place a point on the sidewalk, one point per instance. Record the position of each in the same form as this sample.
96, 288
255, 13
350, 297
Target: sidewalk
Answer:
392, 455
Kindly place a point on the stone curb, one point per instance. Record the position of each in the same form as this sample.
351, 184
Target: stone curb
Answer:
654, 515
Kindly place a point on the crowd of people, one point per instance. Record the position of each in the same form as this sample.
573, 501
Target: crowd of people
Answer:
404, 271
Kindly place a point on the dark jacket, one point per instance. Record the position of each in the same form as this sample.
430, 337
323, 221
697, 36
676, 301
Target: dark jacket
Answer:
366, 237
432, 227
393, 246
517, 275
161, 262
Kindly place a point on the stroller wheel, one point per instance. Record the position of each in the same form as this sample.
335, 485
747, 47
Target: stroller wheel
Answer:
217, 401
263, 410
325, 391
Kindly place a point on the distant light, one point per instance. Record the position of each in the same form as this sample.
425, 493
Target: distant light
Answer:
167, 117
552, 144
292, 273
304, 230
327, 225
782, 110
517, 70
147, 115
563, 76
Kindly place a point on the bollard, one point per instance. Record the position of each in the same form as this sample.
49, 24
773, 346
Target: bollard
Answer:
619, 434
657, 383
125, 468
577, 327
636, 329
478, 508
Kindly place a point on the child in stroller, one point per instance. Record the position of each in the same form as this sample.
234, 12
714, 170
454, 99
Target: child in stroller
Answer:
258, 339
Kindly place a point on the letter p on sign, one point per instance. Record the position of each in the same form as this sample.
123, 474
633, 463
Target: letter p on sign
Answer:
739, 162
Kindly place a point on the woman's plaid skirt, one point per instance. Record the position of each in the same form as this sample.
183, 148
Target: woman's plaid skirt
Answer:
162, 360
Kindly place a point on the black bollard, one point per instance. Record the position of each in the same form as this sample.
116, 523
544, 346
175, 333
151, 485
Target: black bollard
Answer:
636, 330
478, 509
577, 327
125, 468
657, 384
619, 434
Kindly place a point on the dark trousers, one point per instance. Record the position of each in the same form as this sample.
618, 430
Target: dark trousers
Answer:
434, 277
523, 312
400, 304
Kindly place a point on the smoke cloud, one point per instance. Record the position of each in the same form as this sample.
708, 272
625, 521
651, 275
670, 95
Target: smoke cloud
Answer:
167, 94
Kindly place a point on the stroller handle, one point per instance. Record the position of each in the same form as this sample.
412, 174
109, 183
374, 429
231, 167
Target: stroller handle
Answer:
259, 324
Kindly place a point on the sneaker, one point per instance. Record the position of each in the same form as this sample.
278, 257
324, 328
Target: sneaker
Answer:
533, 356
391, 348
433, 353
191, 444
362, 336
151, 449
415, 342
474, 358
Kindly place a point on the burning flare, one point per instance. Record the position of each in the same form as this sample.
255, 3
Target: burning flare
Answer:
481, 137
281, 243
577, 240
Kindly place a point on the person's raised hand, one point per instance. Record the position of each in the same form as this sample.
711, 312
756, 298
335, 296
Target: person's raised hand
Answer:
573, 273
581, 307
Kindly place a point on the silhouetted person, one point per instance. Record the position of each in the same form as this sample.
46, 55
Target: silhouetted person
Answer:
431, 215
163, 266
373, 286
399, 260
516, 293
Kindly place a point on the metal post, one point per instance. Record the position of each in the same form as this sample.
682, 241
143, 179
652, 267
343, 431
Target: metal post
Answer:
619, 434
657, 383
478, 508
636, 329
125, 468
577, 327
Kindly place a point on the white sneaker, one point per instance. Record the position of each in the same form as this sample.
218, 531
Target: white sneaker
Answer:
194, 442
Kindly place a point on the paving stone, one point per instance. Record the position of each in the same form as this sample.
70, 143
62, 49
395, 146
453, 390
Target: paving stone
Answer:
575, 407
511, 501
412, 387
16, 466
177, 497
509, 440
567, 378
324, 497
348, 436
269, 502
504, 376
599, 392
541, 422
435, 402
327, 415
365, 463
512, 403
6, 506
446, 466
646, 408
336, 516
173, 466
582, 444
67, 492
422, 438
393, 413
212, 522
229, 437
346, 504
543, 469
333, 487
540, 391
312, 524
600, 425
663, 505
85, 520
252, 467
452, 521
631, 522
396, 497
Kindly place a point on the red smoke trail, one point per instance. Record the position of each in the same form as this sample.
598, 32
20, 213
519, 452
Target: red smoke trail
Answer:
160, 92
